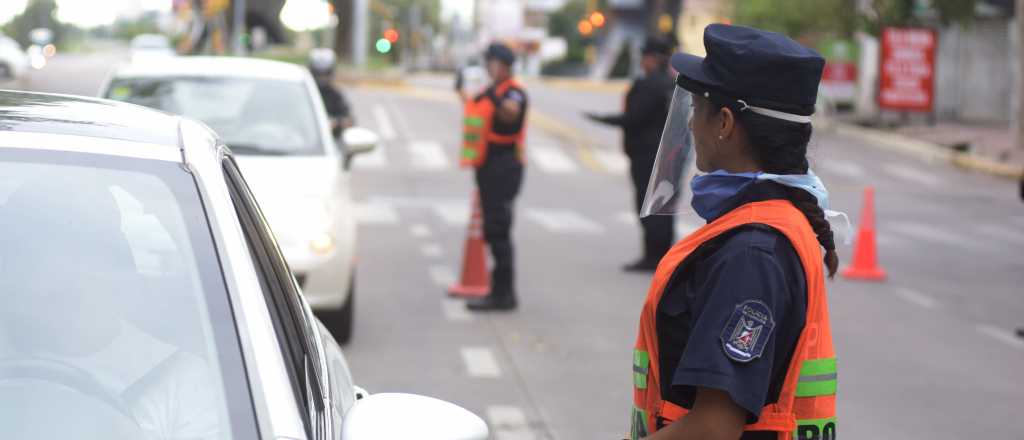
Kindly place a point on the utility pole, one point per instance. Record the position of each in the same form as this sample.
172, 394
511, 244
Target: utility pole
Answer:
238, 27
1018, 118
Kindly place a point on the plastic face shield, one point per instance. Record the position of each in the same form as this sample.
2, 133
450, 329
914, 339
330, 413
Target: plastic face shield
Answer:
667, 187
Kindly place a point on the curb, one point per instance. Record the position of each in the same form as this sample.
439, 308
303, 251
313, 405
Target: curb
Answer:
928, 152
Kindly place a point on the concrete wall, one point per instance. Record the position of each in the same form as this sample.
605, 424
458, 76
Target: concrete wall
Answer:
974, 73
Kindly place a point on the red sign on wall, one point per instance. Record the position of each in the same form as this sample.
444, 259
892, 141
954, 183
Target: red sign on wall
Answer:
907, 79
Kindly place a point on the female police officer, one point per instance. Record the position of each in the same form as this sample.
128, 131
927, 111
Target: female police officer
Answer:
734, 340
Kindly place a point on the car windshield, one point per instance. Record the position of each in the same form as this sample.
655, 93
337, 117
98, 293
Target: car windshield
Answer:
252, 116
115, 322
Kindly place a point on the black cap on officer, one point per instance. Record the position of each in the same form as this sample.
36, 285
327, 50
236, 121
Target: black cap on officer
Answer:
751, 69
500, 52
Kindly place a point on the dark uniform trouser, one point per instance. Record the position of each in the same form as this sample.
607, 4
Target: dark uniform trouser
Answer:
657, 229
499, 180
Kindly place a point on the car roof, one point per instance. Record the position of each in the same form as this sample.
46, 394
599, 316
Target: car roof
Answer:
213, 66
28, 112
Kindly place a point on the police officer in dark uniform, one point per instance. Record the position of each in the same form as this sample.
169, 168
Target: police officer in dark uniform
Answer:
729, 303
500, 177
321, 65
641, 122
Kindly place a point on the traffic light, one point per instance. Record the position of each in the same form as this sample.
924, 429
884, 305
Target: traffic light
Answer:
597, 19
391, 35
585, 28
383, 45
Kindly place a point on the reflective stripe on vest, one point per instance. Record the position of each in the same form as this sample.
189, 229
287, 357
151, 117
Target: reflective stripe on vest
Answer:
806, 405
478, 130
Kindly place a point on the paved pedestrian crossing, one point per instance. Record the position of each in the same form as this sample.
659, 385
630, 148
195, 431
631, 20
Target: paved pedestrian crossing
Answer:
994, 236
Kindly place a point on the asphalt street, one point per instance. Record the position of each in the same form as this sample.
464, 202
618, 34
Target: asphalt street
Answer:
929, 353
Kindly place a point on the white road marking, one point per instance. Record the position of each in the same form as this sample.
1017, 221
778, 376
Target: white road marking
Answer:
441, 275
917, 298
427, 155
431, 250
613, 161
1002, 233
453, 214
420, 231
508, 423
932, 233
454, 310
564, 221
384, 126
1001, 335
552, 160
912, 174
376, 214
480, 362
842, 168
628, 217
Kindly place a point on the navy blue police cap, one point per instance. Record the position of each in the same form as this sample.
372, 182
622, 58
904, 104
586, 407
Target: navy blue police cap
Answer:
500, 52
754, 69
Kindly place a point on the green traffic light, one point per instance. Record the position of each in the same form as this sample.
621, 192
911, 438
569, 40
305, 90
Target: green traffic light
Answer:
383, 45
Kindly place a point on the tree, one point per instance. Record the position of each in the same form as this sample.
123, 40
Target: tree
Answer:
37, 14
562, 23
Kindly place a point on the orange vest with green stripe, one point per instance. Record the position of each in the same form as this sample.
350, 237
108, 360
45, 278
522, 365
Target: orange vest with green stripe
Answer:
478, 129
806, 407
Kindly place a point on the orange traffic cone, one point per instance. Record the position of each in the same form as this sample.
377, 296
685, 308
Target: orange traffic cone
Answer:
476, 280
865, 258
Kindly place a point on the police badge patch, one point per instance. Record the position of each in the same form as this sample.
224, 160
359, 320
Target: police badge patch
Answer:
746, 334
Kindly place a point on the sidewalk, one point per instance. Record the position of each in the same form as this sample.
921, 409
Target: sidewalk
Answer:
985, 148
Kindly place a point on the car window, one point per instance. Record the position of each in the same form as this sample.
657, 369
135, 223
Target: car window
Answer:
113, 303
299, 343
252, 116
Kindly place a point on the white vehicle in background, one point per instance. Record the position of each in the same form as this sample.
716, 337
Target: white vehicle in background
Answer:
271, 116
13, 60
146, 47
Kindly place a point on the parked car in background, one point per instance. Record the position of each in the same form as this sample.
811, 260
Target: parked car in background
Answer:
13, 60
271, 116
145, 47
145, 296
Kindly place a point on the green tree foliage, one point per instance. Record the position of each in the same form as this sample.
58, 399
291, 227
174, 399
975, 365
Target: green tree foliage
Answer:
563, 23
843, 17
37, 14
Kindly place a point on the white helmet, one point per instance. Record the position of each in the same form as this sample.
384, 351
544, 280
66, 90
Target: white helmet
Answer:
321, 60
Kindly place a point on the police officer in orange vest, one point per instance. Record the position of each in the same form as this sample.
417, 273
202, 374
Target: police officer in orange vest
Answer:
734, 339
495, 129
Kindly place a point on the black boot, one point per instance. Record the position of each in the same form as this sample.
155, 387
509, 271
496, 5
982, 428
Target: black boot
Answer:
642, 265
492, 303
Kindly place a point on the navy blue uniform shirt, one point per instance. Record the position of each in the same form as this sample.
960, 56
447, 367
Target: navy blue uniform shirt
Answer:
731, 315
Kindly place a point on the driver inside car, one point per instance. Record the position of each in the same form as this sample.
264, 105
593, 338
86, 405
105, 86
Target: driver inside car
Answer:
66, 269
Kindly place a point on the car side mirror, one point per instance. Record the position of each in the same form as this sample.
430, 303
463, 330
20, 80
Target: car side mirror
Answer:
374, 416
359, 140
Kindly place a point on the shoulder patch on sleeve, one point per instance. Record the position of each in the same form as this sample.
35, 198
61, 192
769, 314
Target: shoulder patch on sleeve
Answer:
747, 331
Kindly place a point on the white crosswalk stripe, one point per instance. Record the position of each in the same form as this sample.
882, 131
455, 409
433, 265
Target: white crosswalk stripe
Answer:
613, 161
452, 214
376, 214
934, 234
552, 160
564, 221
509, 423
428, 155
842, 168
480, 362
628, 218
384, 126
912, 174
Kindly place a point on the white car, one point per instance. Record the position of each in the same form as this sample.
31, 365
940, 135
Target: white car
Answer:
272, 117
13, 60
144, 296
146, 47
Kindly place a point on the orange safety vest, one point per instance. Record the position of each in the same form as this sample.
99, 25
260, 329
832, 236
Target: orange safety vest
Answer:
478, 129
806, 407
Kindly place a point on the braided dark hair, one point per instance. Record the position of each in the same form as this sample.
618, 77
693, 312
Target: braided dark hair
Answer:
780, 147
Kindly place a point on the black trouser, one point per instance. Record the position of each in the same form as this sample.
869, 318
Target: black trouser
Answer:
657, 229
499, 180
